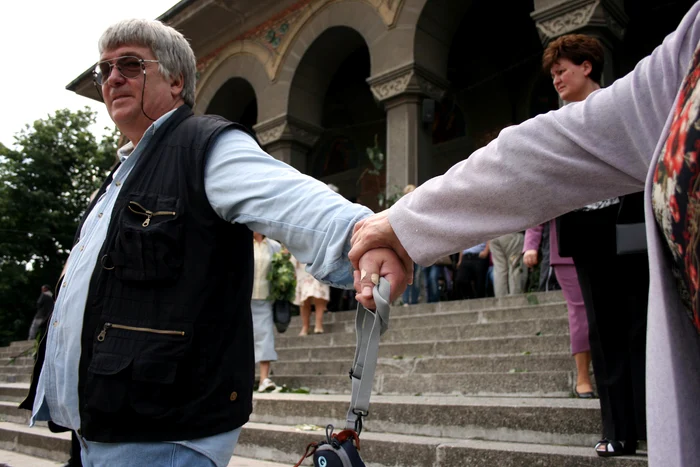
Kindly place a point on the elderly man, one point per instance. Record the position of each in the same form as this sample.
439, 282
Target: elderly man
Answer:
149, 358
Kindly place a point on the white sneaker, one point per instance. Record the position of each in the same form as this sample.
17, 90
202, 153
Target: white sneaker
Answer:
266, 385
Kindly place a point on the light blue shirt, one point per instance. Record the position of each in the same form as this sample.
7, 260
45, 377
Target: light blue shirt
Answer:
244, 185
475, 250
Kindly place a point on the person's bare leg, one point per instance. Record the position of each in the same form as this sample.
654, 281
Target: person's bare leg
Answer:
583, 378
264, 371
305, 312
320, 306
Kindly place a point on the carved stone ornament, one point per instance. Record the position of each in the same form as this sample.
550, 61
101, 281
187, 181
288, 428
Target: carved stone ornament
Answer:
287, 129
273, 134
568, 22
404, 80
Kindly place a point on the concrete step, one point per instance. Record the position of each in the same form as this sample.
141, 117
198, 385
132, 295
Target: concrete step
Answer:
534, 384
514, 345
13, 392
435, 316
286, 444
513, 301
574, 422
34, 446
16, 351
15, 378
17, 361
37, 441
436, 365
16, 369
10, 412
347, 335
15, 459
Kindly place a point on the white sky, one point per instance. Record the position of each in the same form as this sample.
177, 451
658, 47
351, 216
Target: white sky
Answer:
46, 44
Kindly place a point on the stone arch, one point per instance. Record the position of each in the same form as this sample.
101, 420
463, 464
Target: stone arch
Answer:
236, 101
358, 22
435, 28
315, 71
237, 64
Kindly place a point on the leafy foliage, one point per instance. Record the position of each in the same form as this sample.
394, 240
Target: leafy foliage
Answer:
45, 184
385, 198
282, 277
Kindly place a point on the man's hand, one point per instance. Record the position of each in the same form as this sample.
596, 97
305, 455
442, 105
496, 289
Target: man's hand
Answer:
376, 232
530, 258
376, 263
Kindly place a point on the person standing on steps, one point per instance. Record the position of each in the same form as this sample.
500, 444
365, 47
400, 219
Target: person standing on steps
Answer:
261, 308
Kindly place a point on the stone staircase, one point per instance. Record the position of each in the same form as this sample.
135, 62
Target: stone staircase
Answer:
468, 383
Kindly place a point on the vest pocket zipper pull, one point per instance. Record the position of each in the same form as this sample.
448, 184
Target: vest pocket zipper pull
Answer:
103, 333
148, 213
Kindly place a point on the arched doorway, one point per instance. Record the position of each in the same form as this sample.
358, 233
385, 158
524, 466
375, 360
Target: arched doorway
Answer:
492, 61
330, 91
236, 101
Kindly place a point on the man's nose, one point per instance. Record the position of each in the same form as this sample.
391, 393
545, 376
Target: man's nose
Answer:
115, 75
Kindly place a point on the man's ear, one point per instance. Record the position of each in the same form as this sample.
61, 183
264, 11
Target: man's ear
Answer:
177, 84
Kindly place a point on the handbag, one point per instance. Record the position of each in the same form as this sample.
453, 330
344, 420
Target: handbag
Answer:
281, 314
343, 449
630, 234
586, 231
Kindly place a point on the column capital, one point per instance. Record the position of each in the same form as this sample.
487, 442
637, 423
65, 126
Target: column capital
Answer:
288, 129
408, 79
604, 17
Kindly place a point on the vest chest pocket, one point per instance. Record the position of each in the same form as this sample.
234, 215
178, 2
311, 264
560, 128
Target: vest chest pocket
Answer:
149, 244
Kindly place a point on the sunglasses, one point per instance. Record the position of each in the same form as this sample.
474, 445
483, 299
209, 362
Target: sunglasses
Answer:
128, 67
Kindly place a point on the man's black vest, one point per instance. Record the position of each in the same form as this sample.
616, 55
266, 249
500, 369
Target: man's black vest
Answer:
167, 342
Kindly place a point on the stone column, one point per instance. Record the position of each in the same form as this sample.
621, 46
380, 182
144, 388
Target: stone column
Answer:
288, 139
603, 19
409, 141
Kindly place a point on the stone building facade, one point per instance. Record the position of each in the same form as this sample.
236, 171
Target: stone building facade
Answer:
425, 81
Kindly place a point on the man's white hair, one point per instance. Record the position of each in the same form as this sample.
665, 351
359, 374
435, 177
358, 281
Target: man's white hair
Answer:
171, 49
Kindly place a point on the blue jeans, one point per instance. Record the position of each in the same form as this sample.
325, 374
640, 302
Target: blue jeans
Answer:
432, 274
410, 295
154, 454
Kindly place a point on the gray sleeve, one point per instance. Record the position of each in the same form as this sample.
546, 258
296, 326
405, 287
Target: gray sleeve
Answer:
553, 163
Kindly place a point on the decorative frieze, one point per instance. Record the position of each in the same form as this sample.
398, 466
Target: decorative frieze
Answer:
409, 79
287, 128
571, 16
277, 33
568, 22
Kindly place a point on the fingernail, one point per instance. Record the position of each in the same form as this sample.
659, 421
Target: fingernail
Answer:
375, 279
363, 274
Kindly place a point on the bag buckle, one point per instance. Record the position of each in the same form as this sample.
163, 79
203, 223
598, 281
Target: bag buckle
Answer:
358, 422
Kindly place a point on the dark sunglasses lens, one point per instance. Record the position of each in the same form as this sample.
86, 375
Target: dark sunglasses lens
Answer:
130, 67
101, 72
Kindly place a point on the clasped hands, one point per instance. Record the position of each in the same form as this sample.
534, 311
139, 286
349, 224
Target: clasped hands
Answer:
377, 252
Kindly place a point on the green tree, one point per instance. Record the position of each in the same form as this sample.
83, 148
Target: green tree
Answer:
45, 184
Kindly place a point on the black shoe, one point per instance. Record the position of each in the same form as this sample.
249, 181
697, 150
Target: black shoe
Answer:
612, 448
584, 395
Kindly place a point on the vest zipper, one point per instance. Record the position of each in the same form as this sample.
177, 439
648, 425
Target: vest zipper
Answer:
148, 213
103, 333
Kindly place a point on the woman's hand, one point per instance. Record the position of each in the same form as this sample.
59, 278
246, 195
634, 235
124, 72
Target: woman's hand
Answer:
530, 258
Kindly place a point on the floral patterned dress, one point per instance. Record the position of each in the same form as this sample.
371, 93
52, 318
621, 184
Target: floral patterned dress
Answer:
676, 191
308, 286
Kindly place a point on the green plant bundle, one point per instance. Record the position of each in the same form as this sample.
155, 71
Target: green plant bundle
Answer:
282, 277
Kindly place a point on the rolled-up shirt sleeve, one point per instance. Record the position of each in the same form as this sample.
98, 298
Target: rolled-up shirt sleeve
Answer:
245, 185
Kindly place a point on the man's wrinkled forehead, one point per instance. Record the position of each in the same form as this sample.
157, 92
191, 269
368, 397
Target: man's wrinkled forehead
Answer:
123, 50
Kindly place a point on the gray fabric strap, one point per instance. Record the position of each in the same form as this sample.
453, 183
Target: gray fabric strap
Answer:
369, 325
